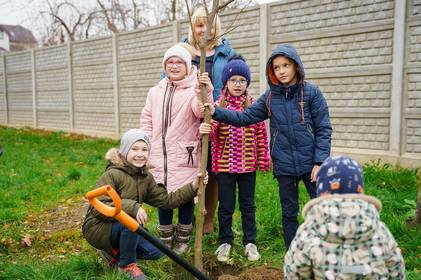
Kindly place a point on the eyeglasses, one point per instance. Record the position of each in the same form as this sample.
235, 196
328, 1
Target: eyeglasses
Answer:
235, 82
176, 64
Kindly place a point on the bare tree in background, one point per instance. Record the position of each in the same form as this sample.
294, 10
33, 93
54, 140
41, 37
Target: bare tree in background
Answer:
68, 19
58, 21
123, 16
176, 9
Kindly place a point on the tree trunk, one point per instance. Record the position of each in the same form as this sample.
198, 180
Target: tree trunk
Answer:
198, 261
198, 258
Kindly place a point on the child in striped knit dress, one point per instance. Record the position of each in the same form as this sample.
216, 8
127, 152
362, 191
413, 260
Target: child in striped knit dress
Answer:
236, 154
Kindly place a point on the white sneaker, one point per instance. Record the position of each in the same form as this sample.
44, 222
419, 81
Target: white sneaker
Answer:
251, 252
223, 252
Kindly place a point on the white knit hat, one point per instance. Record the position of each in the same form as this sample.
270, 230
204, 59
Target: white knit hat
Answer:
180, 52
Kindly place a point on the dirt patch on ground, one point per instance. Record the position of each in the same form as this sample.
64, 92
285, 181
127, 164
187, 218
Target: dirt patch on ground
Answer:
257, 273
218, 271
51, 234
68, 215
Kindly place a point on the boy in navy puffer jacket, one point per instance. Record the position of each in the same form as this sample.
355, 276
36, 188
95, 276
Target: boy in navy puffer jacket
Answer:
299, 126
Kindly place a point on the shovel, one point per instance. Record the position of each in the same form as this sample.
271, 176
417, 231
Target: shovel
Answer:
133, 226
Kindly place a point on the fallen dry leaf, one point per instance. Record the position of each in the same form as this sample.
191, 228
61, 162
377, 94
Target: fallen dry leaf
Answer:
26, 241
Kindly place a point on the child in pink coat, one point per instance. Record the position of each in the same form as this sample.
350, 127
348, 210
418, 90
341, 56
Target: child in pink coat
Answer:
171, 119
237, 152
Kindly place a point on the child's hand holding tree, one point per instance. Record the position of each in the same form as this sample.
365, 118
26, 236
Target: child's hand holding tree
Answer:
210, 105
196, 182
205, 128
204, 79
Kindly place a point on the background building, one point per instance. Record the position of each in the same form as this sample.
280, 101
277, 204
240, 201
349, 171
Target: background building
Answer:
16, 38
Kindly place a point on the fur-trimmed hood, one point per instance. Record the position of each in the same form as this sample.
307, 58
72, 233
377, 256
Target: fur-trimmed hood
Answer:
113, 156
116, 161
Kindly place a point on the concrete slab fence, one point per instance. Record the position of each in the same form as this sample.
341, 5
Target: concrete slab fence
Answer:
365, 55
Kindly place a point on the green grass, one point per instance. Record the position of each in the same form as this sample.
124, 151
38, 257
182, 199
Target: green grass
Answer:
42, 171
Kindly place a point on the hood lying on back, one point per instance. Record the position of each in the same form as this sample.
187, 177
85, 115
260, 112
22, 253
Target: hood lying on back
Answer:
287, 51
113, 156
346, 218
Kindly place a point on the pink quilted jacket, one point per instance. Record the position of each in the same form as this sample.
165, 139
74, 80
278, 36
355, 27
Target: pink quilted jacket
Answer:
171, 118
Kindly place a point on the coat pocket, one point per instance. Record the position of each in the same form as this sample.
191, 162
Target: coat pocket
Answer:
188, 153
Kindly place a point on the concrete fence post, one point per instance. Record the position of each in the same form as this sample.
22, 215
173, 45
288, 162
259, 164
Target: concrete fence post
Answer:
70, 80
398, 63
34, 89
263, 45
116, 85
6, 99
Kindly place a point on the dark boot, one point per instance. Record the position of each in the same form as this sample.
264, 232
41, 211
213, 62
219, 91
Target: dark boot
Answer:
166, 234
109, 259
182, 237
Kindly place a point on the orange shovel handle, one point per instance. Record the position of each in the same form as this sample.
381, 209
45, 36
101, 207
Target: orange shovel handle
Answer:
113, 212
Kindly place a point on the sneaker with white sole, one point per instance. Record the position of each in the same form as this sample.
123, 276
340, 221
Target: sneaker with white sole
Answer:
133, 272
251, 252
223, 252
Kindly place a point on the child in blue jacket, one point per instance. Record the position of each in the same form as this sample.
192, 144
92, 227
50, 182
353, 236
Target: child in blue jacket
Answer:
300, 129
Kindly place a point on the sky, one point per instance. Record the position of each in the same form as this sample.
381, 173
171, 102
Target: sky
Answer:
16, 12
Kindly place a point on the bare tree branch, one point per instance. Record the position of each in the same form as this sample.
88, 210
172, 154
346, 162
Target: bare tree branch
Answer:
110, 22
190, 17
231, 27
223, 5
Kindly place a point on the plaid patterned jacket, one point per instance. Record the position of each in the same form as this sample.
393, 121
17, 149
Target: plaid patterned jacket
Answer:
342, 237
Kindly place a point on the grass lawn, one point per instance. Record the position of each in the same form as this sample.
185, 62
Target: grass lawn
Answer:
44, 176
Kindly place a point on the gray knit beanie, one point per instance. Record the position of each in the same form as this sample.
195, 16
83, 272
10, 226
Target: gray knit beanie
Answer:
130, 137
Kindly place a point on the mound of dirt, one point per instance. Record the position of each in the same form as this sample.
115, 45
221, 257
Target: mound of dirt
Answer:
257, 273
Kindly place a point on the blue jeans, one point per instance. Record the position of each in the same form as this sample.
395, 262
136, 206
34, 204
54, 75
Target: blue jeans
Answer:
185, 214
227, 186
132, 246
288, 194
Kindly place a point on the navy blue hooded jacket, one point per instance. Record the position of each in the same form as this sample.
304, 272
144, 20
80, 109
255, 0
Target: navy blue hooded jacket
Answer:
300, 135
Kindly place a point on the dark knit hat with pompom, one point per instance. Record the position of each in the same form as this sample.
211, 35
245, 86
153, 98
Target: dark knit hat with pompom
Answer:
236, 66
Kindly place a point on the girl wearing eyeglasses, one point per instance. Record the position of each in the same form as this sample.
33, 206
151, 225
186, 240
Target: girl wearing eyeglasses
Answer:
237, 152
171, 118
